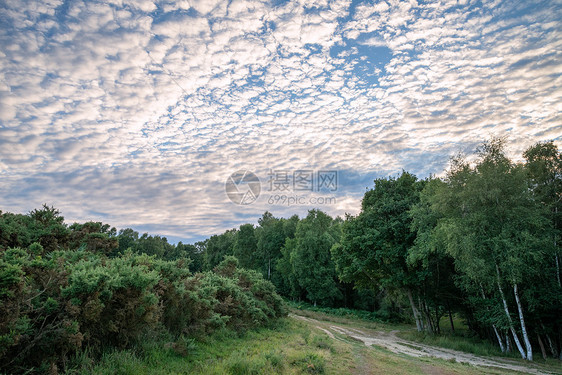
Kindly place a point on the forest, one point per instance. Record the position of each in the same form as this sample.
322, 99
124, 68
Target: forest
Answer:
481, 243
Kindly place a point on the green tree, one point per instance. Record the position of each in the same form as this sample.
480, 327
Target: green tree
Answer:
436, 277
47, 227
285, 280
217, 247
270, 239
311, 259
94, 237
183, 251
544, 165
245, 247
289, 283
496, 229
154, 245
374, 245
127, 239
14, 230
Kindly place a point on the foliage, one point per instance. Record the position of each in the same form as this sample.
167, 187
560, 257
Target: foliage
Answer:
311, 260
56, 304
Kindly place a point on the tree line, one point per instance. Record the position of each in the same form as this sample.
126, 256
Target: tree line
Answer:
482, 242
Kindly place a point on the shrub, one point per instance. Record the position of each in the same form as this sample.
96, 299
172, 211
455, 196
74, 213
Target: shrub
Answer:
55, 305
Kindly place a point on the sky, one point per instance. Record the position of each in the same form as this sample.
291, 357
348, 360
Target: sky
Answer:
187, 118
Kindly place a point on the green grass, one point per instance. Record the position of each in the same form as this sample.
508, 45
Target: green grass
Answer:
286, 347
289, 346
339, 312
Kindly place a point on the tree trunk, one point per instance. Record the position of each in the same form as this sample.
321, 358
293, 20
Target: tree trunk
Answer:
558, 270
559, 346
506, 309
421, 312
419, 324
523, 327
269, 269
429, 322
556, 249
437, 319
451, 319
551, 345
500, 341
507, 342
542, 346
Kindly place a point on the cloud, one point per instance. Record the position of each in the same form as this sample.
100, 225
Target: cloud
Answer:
141, 110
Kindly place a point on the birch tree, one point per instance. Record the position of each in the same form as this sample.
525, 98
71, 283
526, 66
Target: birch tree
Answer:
498, 234
544, 166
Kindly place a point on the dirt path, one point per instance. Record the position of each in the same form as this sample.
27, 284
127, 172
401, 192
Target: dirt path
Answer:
390, 341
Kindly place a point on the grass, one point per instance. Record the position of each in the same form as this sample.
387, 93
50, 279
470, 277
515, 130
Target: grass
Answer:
289, 346
336, 312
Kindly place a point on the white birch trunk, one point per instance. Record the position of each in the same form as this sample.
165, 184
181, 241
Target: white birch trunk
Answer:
523, 327
515, 338
500, 341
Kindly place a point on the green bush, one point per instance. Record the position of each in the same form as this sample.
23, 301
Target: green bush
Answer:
56, 305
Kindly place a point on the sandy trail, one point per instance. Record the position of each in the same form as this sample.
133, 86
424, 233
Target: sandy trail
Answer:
390, 341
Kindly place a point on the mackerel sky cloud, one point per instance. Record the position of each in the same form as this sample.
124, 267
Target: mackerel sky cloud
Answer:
135, 113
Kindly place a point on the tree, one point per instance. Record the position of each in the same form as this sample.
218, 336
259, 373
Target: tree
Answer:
183, 251
94, 237
311, 260
127, 239
437, 274
217, 247
374, 245
271, 238
154, 245
14, 231
288, 283
47, 227
544, 166
246, 246
496, 229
